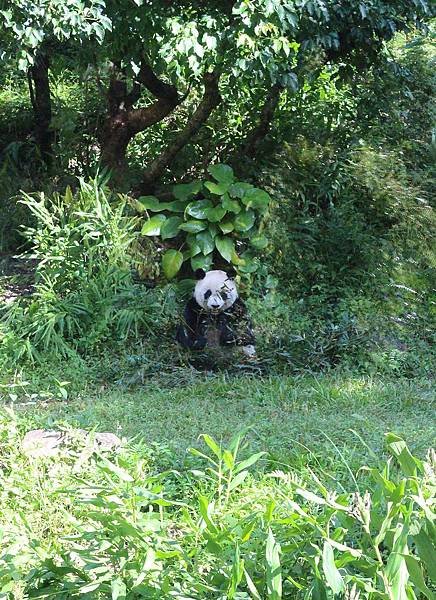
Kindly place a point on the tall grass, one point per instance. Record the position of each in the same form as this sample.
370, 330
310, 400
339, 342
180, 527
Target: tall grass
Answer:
84, 289
122, 525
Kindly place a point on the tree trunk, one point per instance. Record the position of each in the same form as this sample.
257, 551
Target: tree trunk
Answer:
39, 89
211, 99
258, 133
124, 121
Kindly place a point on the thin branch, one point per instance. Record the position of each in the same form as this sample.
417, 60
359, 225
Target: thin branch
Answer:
31, 90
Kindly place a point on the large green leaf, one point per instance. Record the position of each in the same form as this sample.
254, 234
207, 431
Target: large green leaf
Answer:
176, 206
396, 569
426, 552
148, 202
222, 173
417, 576
198, 209
331, 572
193, 246
259, 242
230, 205
226, 226
257, 199
245, 220
248, 265
239, 189
205, 241
172, 261
153, 225
170, 228
152, 204
215, 214
213, 229
217, 188
183, 191
118, 589
201, 262
225, 246
408, 463
193, 226
191, 251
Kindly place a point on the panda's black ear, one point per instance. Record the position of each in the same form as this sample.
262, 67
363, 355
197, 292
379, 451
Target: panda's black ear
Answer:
231, 273
200, 274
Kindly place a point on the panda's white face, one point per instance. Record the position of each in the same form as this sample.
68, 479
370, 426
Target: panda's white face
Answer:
215, 292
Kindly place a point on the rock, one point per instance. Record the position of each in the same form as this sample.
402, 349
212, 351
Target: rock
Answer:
107, 441
42, 442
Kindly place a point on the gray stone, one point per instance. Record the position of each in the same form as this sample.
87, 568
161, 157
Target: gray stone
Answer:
107, 441
43, 442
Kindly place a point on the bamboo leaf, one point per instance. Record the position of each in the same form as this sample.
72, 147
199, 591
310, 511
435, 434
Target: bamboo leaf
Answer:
273, 568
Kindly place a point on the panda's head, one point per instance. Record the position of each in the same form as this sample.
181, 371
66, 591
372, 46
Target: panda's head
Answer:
215, 291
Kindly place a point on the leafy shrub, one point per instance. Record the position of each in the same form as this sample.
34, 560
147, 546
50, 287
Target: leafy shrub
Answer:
121, 526
84, 289
221, 216
350, 249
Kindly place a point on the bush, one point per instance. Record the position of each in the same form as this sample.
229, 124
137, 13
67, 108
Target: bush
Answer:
84, 288
119, 525
213, 220
351, 252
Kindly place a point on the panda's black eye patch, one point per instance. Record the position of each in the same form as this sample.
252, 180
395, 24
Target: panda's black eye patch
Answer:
223, 295
207, 294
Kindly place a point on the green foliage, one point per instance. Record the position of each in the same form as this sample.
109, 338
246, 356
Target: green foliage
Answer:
221, 217
119, 525
26, 26
84, 290
351, 251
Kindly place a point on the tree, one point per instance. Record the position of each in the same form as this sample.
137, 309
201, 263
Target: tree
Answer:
153, 55
31, 33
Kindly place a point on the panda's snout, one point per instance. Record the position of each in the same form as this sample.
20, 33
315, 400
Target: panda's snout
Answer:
214, 306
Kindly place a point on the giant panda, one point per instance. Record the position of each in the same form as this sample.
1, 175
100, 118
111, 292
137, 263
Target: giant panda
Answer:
215, 315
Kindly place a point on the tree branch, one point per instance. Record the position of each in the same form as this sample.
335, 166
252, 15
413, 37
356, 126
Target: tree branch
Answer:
156, 86
141, 118
211, 99
31, 90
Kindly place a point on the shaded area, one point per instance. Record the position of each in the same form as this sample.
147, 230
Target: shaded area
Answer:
16, 277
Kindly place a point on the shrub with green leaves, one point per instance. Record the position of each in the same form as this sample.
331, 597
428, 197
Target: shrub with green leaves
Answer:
84, 290
221, 217
82, 523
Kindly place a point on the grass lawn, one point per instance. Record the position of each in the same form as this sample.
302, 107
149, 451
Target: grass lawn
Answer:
292, 418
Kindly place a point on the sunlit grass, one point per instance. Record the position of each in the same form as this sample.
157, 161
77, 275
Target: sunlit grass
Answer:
286, 416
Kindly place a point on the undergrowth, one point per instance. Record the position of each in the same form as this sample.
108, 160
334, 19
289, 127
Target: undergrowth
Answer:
84, 291
91, 524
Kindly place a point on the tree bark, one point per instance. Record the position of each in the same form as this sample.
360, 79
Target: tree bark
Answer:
210, 100
258, 133
39, 90
124, 121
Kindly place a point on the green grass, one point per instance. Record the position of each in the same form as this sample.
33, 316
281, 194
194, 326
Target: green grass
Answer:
152, 521
288, 416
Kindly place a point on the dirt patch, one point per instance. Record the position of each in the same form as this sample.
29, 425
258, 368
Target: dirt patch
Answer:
17, 276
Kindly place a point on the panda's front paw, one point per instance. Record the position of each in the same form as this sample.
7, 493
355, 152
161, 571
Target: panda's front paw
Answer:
249, 351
